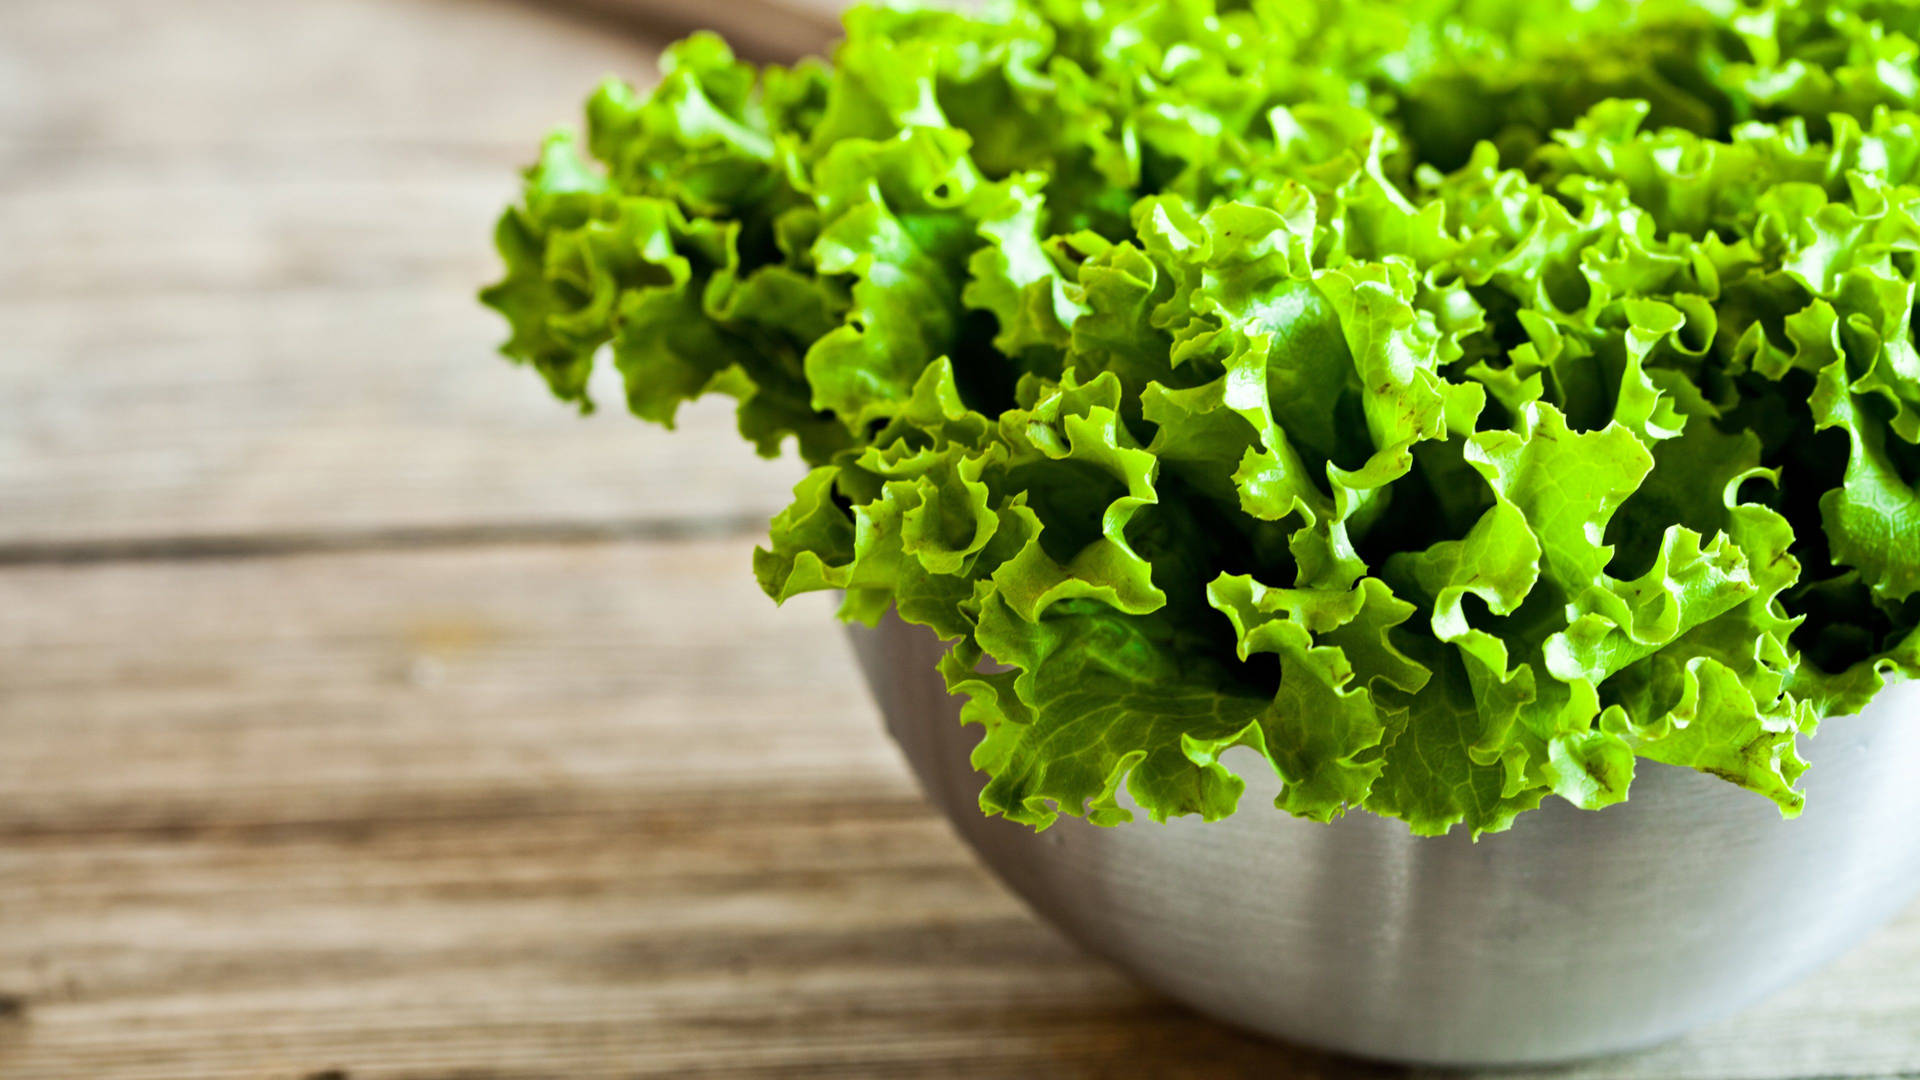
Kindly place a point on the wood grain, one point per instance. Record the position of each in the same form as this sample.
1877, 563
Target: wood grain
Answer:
578, 810
243, 245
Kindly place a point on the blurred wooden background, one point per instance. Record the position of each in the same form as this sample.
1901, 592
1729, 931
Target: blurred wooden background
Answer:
364, 714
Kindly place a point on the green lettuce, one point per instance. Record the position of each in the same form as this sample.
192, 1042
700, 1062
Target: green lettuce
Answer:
1453, 402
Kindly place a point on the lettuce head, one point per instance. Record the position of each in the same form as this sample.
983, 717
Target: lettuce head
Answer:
1455, 402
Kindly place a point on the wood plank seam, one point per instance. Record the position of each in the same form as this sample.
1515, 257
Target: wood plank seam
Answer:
190, 547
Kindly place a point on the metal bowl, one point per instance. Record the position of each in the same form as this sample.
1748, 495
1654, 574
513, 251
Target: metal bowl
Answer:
1576, 933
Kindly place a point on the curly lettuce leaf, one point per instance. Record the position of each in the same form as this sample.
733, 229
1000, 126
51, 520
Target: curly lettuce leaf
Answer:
1453, 405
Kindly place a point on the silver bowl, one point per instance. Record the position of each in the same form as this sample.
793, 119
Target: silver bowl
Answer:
1577, 933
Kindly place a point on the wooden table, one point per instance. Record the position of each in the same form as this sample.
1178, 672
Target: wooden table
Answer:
364, 714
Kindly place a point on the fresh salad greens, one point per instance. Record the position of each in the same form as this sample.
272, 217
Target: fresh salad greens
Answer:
1453, 401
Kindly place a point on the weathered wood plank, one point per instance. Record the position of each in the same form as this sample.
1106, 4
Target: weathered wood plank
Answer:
243, 241
586, 810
